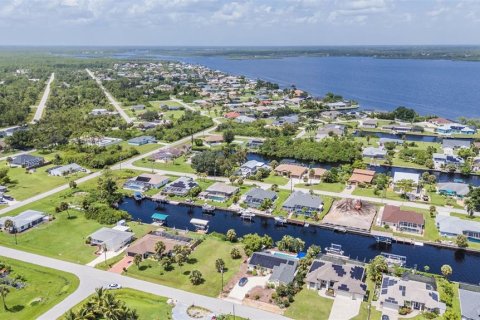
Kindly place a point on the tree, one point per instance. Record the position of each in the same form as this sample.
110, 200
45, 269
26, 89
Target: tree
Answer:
228, 136
254, 242
473, 201
461, 241
196, 277
376, 268
219, 265
4, 291
313, 251
10, 225
433, 211
159, 249
289, 243
406, 185
231, 235
64, 206
137, 259
72, 184
426, 268
446, 270
274, 164
235, 253
167, 263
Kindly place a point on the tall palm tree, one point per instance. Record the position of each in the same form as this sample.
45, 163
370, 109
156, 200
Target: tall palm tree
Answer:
4, 291
9, 225
159, 249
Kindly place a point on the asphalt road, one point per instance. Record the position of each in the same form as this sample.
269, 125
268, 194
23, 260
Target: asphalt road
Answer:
43, 102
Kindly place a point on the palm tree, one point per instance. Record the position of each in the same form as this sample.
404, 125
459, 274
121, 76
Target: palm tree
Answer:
64, 206
446, 270
104, 248
9, 225
137, 260
159, 249
4, 291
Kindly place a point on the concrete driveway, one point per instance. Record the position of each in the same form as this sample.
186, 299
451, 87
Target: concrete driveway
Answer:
344, 308
238, 293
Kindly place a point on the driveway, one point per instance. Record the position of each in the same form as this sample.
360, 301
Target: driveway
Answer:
344, 308
238, 293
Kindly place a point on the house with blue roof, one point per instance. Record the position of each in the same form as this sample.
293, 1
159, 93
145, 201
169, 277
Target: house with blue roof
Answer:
140, 141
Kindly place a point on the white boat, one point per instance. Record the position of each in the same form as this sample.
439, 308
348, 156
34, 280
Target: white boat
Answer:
335, 249
417, 243
280, 220
208, 208
247, 214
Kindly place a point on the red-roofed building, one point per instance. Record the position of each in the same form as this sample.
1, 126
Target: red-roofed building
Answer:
401, 220
232, 115
439, 121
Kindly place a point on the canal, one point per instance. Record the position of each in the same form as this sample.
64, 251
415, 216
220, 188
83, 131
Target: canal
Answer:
464, 264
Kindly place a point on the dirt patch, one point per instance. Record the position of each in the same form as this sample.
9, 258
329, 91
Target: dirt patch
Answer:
261, 294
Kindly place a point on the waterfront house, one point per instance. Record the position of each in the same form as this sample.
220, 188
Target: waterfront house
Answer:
402, 220
337, 276
318, 173
27, 161
413, 291
220, 191
332, 115
476, 164
245, 119
369, 123
329, 130
232, 115
23, 221
303, 203
214, 139
145, 246
291, 170
453, 189
65, 170
398, 128
140, 141
383, 141
290, 119
254, 143
439, 121
450, 226
469, 296
399, 176
456, 143
455, 128
166, 155
146, 181
361, 176
281, 267
251, 167
111, 238
256, 196
374, 153
440, 160
180, 187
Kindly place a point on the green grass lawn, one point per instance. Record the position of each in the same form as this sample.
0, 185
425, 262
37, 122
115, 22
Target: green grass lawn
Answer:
147, 305
202, 259
30, 184
44, 288
309, 305
332, 187
369, 192
178, 165
282, 197
278, 180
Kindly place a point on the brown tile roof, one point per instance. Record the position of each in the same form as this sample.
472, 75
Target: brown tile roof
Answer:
360, 175
214, 138
394, 214
232, 115
293, 169
319, 171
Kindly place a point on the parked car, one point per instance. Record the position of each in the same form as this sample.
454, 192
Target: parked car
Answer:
113, 286
243, 281
385, 317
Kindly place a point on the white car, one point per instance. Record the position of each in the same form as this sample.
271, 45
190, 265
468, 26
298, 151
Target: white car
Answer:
113, 286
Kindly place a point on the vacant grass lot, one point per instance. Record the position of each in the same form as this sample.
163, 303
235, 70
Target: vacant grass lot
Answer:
332, 187
309, 305
44, 288
202, 259
178, 165
148, 306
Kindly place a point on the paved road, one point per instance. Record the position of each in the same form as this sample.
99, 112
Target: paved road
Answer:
110, 98
43, 102
91, 278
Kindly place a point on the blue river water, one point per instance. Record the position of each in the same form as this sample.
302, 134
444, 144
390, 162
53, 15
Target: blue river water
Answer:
446, 88
359, 247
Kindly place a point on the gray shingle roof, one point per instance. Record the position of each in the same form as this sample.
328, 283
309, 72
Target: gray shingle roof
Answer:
301, 199
261, 194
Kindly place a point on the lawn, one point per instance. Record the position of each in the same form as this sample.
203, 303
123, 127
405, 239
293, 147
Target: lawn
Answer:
282, 197
147, 305
202, 259
178, 165
369, 192
278, 180
44, 288
309, 305
332, 187
142, 149
30, 184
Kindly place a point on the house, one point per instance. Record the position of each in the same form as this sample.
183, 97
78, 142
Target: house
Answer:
383, 141
25, 220
398, 128
291, 170
254, 143
455, 128
140, 141
251, 167
245, 119
146, 181
369, 123
374, 153
337, 276
360, 176
303, 203
27, 161
138, 107
180, 187
439, 121
399, 176
256, 196
332, 115
61, 171
476, 164
291, 119
281, 267
440, 160
166, 155
450, 226
329, 130
214, 139
318, 173
111, 238
469, 296
220, 191
145, 246
414, 291
456, 143
232, 115
402, 220
454, 189
101, 112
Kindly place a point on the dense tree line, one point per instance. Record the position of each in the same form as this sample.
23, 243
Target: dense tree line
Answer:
257, 129
219, 162
187, 124
333, 150
135, 91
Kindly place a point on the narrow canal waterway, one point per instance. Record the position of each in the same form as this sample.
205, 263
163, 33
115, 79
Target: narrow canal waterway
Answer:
466, 266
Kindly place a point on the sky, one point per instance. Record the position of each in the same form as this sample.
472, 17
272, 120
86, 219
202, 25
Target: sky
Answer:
236, 23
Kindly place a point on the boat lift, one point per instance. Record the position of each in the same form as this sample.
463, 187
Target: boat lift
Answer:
394, 259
